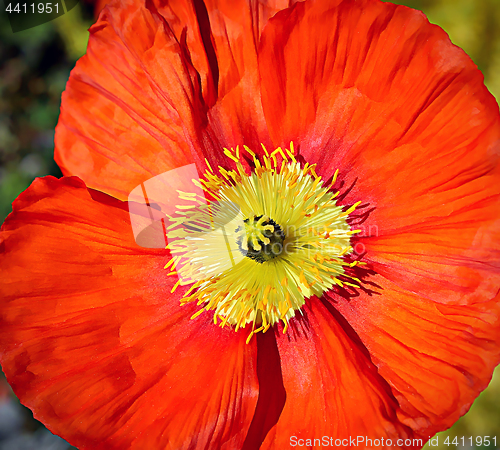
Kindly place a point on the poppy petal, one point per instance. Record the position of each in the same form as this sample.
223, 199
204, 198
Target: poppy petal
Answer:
332, 387
437, 358
162, 86
96, 345
404, 114
236, 26
450, 252
375, 89
128, 112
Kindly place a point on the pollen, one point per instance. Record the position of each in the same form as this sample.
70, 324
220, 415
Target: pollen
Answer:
266, 236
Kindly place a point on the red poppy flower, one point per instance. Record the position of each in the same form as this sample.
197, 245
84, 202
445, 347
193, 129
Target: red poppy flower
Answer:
387, 334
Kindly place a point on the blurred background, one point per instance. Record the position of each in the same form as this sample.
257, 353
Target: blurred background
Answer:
34, 67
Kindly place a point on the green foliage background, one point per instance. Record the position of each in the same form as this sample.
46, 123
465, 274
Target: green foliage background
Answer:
35, 65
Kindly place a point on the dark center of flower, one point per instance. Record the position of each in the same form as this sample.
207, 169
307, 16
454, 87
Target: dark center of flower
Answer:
260, 238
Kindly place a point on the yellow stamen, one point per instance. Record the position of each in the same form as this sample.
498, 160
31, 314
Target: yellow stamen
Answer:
209, 166
224, 249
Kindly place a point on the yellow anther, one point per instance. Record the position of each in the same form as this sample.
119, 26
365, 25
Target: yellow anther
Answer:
224, 263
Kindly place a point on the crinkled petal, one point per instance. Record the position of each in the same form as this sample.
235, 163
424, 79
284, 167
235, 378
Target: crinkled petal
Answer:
162, 85
382, 95
332, 387
374, 90
133, 103
96, 345
450, 254
236, 26
436, 358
